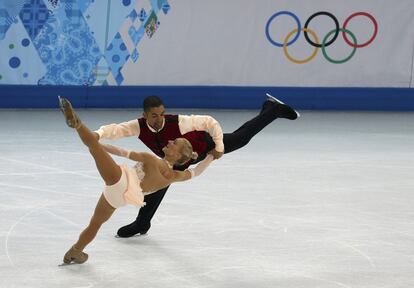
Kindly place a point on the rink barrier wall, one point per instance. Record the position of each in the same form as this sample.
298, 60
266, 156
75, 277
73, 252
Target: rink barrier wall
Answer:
210, 97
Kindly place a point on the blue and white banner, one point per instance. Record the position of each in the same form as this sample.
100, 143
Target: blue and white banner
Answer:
74, 42
319, 43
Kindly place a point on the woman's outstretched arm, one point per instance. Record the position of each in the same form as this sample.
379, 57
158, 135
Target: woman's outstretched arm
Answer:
193, 172
114, 150
133, 155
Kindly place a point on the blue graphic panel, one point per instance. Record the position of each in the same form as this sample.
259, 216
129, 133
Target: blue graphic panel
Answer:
19, 57
51, 4
34, 15
13, 7
9, 10
73, 42
4, 22
156, 5
165, 7
135, 34
134, 55
74, 54
84, 4
142, 15
96, 17
106, 17
133, 15
116, 55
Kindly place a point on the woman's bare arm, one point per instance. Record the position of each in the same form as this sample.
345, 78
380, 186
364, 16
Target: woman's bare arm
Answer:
133, 155
193, 172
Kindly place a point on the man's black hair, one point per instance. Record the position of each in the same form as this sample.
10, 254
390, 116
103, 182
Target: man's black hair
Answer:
151, 102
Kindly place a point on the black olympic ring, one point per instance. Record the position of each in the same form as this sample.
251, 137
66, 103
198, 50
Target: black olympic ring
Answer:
330, 15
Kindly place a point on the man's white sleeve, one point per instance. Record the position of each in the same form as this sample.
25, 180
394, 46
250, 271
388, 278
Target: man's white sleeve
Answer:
202, 123
117, 131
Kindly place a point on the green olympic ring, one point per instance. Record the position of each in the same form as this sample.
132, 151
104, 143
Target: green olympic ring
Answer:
345, 59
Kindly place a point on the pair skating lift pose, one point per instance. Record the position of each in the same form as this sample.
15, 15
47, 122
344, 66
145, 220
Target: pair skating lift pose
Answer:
129, 185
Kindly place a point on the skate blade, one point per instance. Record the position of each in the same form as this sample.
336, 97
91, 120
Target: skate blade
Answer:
68, 264
135, 236
274, 98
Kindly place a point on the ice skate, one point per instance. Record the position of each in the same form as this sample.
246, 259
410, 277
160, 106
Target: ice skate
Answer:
284, 110
72, 120
75, 256
133, 229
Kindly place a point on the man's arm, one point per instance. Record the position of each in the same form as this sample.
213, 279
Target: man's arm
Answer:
117, 131
203, 123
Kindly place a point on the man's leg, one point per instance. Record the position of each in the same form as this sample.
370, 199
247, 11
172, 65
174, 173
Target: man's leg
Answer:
270, 111
143, 222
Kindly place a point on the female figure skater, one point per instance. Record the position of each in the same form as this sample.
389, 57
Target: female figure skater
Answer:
123, 184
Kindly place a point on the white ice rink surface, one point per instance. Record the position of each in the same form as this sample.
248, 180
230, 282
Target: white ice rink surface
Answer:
326, 201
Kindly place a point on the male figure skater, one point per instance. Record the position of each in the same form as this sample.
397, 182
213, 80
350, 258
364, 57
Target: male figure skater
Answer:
156, 128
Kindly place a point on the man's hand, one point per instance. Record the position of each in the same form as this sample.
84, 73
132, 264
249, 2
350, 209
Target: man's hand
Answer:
216, 154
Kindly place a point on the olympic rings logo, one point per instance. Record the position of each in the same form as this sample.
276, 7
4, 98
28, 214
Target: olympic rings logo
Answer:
315, 42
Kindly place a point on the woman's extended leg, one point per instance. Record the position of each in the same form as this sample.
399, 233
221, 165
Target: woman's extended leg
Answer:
109, 170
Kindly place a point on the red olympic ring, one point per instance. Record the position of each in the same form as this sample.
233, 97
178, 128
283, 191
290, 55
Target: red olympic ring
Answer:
370, 39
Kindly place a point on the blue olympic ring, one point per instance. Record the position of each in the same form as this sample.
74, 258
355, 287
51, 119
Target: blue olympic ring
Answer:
276, 15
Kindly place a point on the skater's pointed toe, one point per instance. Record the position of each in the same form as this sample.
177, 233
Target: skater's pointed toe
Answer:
76, 256
72, 120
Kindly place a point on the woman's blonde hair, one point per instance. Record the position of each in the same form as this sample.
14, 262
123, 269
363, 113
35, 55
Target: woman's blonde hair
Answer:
187, 152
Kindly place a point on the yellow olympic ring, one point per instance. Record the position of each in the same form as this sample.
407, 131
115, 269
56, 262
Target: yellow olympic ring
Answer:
315, 51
